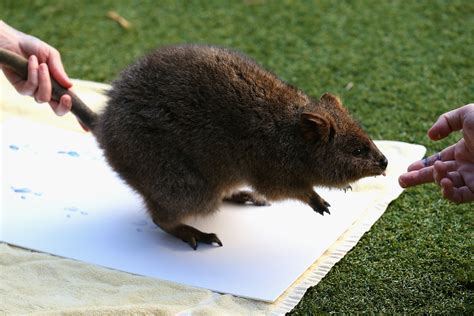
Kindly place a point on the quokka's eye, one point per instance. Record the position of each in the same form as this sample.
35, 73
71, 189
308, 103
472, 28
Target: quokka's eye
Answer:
359, 151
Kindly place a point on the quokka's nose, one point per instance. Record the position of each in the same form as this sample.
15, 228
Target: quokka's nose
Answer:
383, 162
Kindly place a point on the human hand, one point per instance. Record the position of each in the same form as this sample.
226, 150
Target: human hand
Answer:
453, 167
43, 61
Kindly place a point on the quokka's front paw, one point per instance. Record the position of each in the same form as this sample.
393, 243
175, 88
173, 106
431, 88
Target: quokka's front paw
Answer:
318, 204
347, 188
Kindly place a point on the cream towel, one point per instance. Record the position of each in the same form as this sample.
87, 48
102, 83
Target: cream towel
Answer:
38, 283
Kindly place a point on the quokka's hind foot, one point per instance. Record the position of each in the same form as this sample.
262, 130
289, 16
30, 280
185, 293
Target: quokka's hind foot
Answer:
190, 235
244, 197
193, 236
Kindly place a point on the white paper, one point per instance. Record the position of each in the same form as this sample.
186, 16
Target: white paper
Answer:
59, 196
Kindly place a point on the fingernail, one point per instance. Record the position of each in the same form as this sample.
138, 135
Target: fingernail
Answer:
402, 184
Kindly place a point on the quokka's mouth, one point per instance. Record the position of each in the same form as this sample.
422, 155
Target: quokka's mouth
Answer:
380, 167
377, 171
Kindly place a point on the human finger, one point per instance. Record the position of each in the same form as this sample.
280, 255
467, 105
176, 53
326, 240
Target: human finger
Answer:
447, 123
43, 93
447, 189
443, 169
440, 171
450, 165
468, 127
417, 165
467, 172
456, 178
29, 86
446, 154
57, 69
63, 106
66, 102
429, 161
425, 162
416, 177
456, 195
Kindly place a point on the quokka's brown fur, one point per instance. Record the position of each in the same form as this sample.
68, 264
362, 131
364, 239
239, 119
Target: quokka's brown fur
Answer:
186, 126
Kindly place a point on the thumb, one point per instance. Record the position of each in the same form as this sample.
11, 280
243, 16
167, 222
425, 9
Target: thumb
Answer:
449, 122
56, 70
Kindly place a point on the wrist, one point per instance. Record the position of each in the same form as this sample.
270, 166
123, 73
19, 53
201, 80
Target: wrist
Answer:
9, 37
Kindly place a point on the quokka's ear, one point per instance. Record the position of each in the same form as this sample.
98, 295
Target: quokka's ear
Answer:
317, 127
330, 99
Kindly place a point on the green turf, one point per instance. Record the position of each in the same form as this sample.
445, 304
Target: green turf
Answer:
408, 61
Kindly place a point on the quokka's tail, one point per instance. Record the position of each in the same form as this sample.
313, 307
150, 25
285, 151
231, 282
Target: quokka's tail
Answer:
19, 65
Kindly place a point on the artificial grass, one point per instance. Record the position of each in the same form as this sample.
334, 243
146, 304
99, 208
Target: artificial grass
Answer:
408, 62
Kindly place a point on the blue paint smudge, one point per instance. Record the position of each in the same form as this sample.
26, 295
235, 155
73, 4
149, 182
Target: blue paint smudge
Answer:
14, 147
71, 209
69, 153
21, 190
68, 215
24, 191
84, 213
